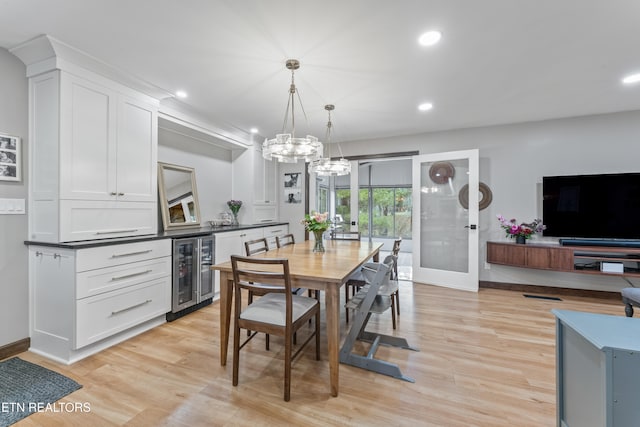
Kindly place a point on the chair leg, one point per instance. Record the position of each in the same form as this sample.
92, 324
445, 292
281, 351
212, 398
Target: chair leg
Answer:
397, 294
249, 301
287, 367
346, 300
266, 342
236, 354
318, 335
393, 311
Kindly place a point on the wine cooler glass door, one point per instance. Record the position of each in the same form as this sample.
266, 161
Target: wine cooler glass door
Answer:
185, 273
206, 274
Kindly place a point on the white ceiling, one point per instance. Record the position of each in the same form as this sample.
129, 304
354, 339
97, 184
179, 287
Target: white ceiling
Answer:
500, 61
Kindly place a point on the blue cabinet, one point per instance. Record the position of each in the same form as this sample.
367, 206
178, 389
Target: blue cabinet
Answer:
598, 369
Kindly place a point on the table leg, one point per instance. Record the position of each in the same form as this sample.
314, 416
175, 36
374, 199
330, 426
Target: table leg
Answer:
225, 314
332, 307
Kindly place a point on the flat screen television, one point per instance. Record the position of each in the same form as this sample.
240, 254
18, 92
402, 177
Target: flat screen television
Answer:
605, 206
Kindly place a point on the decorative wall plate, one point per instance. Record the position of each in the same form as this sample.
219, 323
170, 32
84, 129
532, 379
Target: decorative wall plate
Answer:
440, 172
485, 192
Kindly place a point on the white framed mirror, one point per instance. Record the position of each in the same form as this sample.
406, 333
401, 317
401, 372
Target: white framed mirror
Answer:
178, 196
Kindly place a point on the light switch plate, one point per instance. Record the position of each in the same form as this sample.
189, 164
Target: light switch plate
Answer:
12, 207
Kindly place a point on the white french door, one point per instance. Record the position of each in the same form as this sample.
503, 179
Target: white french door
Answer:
445, 234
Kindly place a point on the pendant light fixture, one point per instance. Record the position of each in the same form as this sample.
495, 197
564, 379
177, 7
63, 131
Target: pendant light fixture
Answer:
326, 166
286, 147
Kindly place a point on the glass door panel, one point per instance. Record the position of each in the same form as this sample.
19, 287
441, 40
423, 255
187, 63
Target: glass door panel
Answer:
185, 273
445, 233
206, 274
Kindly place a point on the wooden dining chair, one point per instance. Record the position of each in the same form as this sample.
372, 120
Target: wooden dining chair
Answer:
257, 246
285, 240
279, 312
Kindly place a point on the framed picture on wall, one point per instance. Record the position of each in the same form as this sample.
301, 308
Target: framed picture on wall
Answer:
292, 187
10, 161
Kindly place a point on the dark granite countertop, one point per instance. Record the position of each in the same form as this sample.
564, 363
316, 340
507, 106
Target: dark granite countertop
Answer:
172, 234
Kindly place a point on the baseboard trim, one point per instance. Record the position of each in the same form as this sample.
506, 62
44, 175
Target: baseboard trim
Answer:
519, 287
14, 348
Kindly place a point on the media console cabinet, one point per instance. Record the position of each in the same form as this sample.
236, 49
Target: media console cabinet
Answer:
611, 261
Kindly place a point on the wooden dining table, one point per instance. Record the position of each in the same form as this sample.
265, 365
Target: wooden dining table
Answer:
326, 271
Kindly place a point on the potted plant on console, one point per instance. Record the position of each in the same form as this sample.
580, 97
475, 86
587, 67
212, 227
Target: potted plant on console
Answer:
523, 231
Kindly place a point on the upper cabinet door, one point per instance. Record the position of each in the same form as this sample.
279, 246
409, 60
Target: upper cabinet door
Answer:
87, 140
136, 168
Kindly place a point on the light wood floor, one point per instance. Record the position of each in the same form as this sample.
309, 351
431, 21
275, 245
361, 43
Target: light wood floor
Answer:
486, 359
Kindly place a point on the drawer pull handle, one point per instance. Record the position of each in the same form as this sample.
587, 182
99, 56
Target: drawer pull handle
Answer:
113, 313
131, 253
113, 279
276, 231
117, 231
120, 194
113, 193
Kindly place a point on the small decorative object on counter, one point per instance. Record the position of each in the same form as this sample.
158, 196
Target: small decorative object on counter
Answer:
234, 206
317, 223
523, 231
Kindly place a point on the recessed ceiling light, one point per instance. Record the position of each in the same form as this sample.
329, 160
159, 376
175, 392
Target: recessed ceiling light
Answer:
181, 94
426, 106
254, 130
430, 38
632, 78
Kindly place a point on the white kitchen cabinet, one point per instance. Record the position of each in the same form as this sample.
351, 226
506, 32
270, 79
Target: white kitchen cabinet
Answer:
232, 242
93, 159
87, 299
264, 179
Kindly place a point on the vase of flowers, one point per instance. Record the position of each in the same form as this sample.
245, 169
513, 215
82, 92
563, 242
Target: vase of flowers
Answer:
317, 223
234, 206
523, 231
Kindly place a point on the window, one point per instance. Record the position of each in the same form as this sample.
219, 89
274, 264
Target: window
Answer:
390, 212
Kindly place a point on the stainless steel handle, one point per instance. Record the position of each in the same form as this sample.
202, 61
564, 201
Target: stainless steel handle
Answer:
117, 231
131, 253
113, 279
113, 313
113, 193
276, 231
120, 194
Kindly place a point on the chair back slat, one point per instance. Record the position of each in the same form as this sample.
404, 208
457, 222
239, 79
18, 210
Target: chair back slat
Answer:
286, 240
256, 246
270, 274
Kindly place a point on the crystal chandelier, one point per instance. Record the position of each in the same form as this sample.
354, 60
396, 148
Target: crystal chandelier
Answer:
327, 166
286, 147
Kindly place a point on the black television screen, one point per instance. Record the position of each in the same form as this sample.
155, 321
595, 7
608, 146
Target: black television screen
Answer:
592, 206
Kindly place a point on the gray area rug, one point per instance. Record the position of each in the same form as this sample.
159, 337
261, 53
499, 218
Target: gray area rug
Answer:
26, 388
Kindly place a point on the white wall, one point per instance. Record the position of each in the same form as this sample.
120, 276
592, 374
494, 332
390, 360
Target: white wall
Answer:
513, 160
292, 213
14, 286
212, 165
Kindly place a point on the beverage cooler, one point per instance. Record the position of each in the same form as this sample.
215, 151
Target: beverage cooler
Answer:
193, 280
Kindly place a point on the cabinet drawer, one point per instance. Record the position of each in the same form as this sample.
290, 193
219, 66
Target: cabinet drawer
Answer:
99, 281
103, 315
112, 255
90, 220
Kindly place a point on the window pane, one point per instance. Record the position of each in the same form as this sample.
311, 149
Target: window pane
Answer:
343, 207
383, 212
363, 212
403, 213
